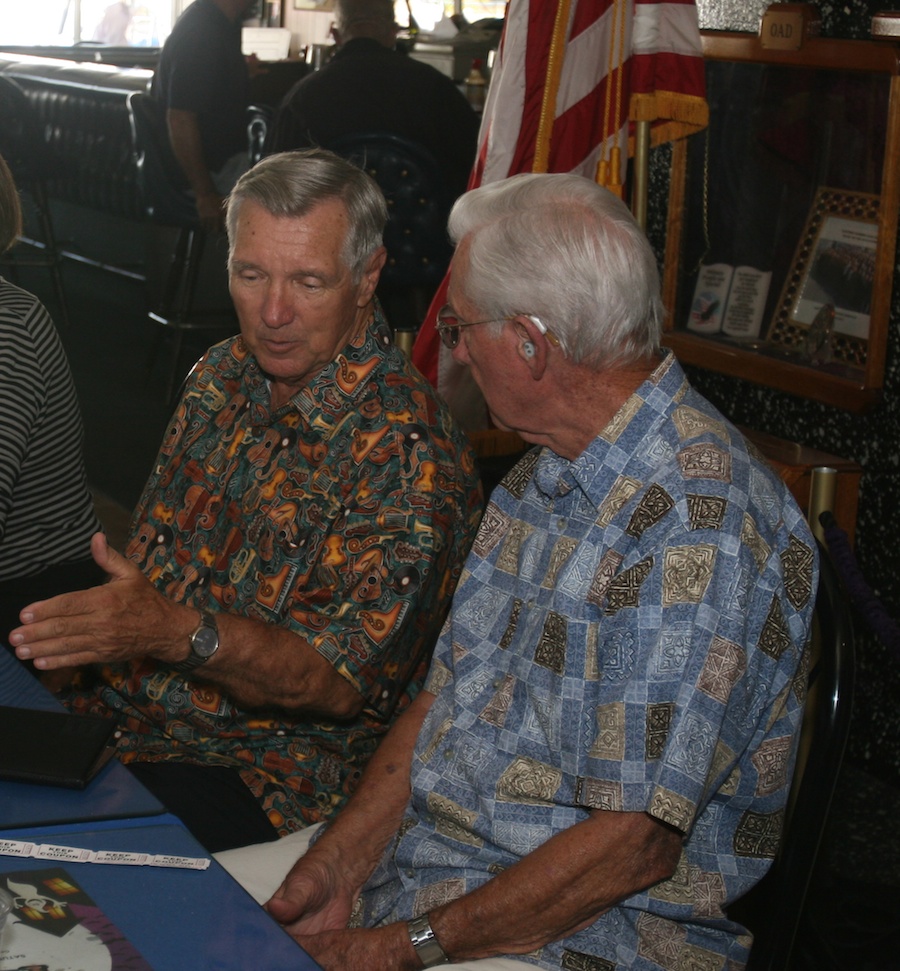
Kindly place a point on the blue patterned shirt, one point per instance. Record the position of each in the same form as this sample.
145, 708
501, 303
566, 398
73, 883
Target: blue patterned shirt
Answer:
628, 635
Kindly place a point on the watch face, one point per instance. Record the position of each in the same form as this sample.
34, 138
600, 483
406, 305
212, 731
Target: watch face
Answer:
205, 642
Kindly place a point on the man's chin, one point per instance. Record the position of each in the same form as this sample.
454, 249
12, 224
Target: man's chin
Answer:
497, 423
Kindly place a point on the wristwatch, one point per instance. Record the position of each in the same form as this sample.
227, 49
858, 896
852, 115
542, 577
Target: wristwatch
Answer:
204, 643
422, 938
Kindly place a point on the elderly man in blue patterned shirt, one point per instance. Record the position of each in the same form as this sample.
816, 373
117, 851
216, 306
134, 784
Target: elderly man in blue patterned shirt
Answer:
600, 761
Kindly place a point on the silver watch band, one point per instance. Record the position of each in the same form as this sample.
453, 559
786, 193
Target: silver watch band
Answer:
198, 657
422, 938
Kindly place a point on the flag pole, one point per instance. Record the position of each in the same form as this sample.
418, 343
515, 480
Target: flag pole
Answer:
641, 172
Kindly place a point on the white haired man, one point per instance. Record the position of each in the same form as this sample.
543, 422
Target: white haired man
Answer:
600, 759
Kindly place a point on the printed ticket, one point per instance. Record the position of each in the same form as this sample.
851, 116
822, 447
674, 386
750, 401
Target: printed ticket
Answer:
74, 854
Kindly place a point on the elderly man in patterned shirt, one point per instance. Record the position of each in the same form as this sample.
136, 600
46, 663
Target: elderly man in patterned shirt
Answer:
600, 759
298, 541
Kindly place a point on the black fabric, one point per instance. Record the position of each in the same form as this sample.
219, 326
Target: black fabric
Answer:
202, 69
211, 800
368, 87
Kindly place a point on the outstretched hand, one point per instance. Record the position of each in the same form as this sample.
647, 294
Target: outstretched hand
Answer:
121, 619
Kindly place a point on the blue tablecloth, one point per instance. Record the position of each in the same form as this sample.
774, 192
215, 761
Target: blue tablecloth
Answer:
175, 918
113, 794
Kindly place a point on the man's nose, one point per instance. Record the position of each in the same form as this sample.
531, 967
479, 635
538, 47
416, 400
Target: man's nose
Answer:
277, 308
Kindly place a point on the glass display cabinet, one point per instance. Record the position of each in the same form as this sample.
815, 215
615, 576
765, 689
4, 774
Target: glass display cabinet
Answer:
782, 218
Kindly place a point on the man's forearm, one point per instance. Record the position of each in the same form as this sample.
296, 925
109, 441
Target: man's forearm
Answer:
560, 888
317, 895
261, 665
373, 813
184, 135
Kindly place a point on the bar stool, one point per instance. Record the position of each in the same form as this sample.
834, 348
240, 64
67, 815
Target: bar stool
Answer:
168, 202
33, 163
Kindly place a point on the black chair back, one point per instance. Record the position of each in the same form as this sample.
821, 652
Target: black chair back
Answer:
773, 909
165, 195
418, 205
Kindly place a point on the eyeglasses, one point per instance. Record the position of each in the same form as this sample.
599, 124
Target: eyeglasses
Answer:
449, 324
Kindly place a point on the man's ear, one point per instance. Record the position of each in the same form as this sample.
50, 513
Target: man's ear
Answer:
371, 275
530, 346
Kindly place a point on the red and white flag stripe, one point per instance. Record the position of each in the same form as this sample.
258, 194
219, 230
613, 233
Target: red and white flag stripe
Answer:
569, 79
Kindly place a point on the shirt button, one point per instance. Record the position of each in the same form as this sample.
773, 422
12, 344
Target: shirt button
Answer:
561, 522
448, 753
411, 874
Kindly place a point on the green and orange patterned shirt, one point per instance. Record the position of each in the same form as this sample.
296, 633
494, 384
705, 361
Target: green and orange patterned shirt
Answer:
344, 516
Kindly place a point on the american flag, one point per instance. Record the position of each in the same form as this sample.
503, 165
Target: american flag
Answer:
570, 79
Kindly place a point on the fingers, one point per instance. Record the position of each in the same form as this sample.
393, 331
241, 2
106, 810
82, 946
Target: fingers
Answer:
99, 549
69, 629
282, 909
61, 662
111, 561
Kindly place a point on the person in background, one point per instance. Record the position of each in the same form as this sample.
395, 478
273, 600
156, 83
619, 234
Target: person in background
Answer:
369, 86
599, 762
46, 511
202, 88
298, 541
115, 24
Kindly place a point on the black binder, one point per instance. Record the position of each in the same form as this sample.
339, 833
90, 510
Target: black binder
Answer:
53, 747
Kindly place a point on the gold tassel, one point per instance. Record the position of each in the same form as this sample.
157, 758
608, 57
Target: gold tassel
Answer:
615, 172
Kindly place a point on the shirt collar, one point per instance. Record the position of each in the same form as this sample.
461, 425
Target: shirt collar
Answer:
332, 392
635, 421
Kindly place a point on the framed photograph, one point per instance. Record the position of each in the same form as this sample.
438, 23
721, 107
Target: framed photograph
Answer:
827, 296
321, 5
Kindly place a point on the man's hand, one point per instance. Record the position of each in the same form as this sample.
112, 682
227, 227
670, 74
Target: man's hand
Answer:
211, 210
184, 136
121, 619
313, 897
255, 67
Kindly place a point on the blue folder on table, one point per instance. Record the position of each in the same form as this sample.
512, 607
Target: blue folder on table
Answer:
175, 918
113, 794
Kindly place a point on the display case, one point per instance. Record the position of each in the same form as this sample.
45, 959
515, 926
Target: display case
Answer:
782, 217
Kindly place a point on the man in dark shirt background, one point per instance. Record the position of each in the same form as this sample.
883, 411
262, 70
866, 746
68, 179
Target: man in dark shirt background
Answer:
369, 86
203, 88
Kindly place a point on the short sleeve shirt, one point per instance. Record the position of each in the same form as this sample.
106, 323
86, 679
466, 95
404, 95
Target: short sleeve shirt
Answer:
628, 635
202, 70
345, 516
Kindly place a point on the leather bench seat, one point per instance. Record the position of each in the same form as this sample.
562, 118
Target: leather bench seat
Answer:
82, 111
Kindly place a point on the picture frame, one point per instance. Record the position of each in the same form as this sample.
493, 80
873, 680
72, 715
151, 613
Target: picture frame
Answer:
827, 295
841, 135
322, 6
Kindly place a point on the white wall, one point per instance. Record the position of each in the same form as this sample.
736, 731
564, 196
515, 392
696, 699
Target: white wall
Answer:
306, 27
